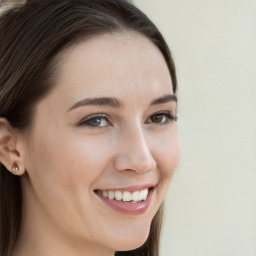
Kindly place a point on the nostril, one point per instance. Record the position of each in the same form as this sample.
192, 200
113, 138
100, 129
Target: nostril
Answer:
126, 163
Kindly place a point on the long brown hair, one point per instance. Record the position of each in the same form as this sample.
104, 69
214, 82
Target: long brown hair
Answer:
31, 36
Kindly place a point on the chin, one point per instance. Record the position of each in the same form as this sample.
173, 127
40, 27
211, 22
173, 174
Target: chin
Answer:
134, 241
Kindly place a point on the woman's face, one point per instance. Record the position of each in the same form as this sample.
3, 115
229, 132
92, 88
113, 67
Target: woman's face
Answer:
107, 129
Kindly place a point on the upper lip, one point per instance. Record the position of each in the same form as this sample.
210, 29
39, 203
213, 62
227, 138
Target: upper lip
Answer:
130, 188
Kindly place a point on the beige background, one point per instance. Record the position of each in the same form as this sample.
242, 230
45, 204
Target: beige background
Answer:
211, 204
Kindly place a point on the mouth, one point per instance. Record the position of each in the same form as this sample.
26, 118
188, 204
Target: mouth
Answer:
125, 196
125, 201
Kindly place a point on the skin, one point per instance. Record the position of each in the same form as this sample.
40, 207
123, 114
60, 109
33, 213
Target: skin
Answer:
64, 163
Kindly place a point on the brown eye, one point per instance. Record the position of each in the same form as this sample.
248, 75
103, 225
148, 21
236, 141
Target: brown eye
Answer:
162, 118
159, 118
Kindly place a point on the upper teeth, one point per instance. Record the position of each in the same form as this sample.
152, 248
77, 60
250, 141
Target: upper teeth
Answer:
126, 196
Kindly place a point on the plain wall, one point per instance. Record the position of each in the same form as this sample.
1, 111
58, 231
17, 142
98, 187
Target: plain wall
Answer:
211, 203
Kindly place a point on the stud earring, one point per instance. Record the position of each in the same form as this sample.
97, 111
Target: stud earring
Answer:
15, 169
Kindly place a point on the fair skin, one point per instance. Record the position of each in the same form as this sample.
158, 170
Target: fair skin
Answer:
131, 144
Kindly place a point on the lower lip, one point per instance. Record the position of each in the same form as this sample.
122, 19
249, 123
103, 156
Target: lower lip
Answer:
129, 208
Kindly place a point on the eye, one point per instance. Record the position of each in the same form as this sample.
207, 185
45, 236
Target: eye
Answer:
95, 121
162, 118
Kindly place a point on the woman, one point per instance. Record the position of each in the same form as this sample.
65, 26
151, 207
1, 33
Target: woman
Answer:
88, 138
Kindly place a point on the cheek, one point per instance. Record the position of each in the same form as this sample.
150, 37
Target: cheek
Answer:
168, 151
167, 154
67, 161
85, 160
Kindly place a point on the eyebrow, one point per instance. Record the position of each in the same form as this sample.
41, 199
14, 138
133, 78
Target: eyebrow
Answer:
115, 103
164, 99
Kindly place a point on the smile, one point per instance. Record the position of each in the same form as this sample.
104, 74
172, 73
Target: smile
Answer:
125, 196
127, 202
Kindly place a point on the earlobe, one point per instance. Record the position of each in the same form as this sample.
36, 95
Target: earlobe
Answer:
10, 157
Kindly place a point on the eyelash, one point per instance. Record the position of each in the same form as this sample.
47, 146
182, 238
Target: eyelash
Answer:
85, 122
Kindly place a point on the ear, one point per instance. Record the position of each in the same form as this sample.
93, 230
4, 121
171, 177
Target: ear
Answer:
10, 156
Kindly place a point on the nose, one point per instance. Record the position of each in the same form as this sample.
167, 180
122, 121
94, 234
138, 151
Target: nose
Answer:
134, 153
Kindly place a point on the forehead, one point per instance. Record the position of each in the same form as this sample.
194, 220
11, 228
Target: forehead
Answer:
112, 65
